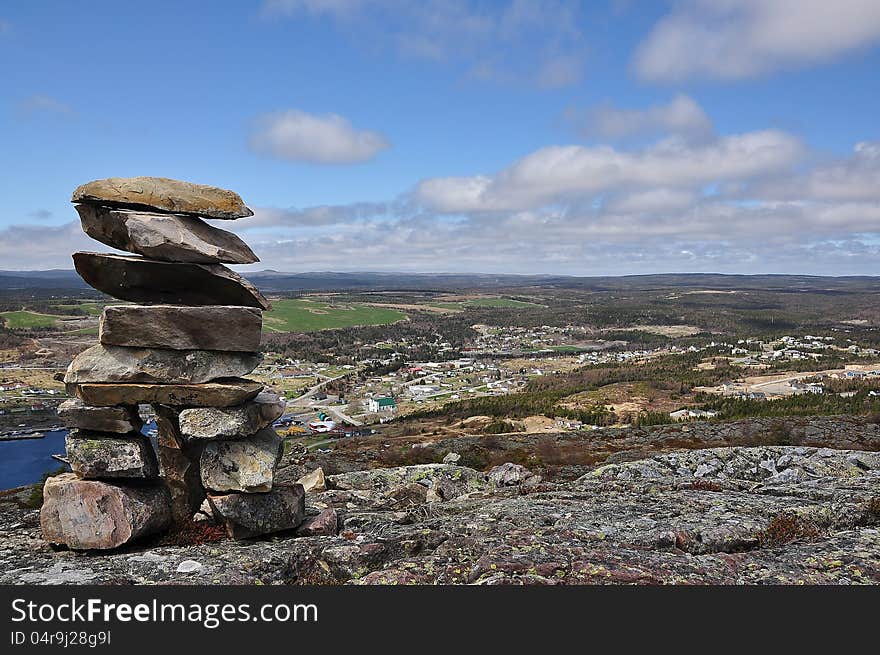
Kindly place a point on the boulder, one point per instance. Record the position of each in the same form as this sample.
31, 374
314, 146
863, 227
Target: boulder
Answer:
225, 393
164, 195
158, 366
86, 514
205, 423
313, 481
151, 281
509, 475
178, 466
251, 515
246, 465
325, 524
98, 456
76, 414
169, 237
182, 328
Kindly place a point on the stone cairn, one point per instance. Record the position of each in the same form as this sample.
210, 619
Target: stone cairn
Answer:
183, 348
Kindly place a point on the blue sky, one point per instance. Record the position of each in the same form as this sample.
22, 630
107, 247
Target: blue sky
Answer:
519, 137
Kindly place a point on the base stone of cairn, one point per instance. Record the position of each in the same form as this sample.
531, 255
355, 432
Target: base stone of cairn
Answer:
184, 350
90, 514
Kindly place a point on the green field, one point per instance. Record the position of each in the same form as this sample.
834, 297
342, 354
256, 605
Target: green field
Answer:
90, 308
85, 331
310, 316
26, 320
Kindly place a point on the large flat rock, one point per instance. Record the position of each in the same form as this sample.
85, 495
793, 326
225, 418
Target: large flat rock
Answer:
169, 237
75, 413
225, 327
158, 366
163, 194
151, 281
205, 423
223, 393
246, 465
97, 456
88, 514
251, 515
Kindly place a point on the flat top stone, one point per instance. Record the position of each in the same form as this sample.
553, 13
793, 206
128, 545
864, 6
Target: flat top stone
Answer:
150, 281
164, 195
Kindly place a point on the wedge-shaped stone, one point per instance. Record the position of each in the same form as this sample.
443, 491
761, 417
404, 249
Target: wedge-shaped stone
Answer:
165, 195
201, 423
314, 481
99, 456
246, 465
169, 237
89, 514
222, 393
226, 327
251, 515
76, 414
158, 366
178, 466
150, 281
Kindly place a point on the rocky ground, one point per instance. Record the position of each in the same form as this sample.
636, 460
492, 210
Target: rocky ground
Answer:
735, 515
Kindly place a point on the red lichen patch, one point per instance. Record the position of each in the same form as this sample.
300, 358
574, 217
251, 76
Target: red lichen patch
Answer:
786, 527
192, 534
702, 484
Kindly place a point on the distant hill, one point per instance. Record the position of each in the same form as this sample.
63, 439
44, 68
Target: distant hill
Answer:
54, 279
276, 281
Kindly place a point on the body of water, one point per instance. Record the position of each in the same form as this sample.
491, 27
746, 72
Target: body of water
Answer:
25, 461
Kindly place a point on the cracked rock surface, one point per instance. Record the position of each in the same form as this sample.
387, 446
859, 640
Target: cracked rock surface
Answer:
760, 515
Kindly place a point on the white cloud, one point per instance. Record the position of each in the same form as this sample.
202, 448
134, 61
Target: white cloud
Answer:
653, 200
681, 116
732, 39
566, 173
294, 135
560, 71
40, 214
43, 104
321, 215
854, 178
537, 41
31, 247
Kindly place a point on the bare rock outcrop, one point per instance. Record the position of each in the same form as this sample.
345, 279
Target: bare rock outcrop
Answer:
649, 521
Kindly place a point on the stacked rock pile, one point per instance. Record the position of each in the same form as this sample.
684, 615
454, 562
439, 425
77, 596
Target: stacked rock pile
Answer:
184, 349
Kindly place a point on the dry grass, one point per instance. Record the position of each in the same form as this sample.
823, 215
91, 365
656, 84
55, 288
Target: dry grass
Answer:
786, 527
